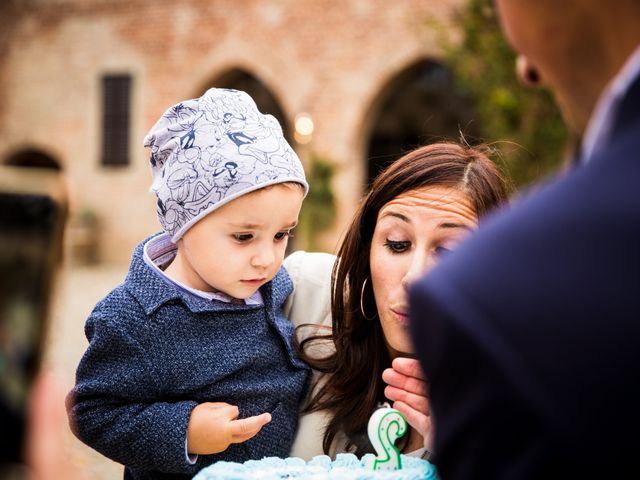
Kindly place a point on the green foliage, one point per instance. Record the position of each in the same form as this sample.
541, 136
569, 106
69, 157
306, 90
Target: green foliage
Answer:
523, 123
319, 208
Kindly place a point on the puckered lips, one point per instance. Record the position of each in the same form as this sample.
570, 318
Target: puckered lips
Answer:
401, 314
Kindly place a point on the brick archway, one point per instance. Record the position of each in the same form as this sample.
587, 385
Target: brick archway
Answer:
31, 157
416, 106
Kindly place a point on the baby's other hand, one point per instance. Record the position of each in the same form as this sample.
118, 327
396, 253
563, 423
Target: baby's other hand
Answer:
214, 426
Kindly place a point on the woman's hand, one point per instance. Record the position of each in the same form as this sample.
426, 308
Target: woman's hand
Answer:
407, 389
214, 426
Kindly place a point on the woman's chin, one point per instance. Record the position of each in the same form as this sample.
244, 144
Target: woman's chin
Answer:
401, 351
407, 354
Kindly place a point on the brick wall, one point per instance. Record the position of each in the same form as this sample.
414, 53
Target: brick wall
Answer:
330, 58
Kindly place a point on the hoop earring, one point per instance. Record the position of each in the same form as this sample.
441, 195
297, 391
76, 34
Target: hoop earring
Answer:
362, 302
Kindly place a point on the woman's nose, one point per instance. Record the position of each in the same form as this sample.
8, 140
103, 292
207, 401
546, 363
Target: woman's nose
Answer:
420, 263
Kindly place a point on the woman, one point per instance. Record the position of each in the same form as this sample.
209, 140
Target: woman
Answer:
418, 209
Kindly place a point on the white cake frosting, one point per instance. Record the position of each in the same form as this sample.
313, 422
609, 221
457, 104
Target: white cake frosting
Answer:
346, 466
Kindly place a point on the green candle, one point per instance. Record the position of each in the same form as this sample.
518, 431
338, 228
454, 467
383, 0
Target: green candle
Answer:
385, 426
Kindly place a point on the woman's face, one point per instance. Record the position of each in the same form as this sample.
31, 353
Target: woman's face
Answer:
412, 231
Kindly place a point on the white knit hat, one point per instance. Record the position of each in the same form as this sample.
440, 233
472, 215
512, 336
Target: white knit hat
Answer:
210, 150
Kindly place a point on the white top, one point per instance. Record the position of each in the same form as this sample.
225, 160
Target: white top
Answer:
598, 131
310, 302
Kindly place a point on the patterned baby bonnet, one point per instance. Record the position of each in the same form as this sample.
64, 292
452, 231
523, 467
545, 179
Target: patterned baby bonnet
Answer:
210, 150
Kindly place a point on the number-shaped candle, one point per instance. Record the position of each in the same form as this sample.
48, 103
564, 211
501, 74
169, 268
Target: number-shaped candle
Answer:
386, 425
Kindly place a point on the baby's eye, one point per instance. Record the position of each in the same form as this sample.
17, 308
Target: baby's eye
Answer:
396, 246
242, 237
282, 235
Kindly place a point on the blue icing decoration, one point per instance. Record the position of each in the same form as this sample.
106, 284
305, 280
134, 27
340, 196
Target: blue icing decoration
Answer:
295, 462
323, 461
345, 467
266, 462
348, 460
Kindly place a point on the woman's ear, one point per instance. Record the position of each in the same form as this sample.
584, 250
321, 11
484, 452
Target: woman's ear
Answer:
527, 73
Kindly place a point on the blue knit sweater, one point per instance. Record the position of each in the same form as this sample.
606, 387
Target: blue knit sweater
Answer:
155, 352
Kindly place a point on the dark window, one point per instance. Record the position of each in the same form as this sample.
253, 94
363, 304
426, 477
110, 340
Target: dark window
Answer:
421, 105
34, 159
116, 93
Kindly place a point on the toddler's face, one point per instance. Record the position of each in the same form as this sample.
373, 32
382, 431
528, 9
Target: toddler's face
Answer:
240, 247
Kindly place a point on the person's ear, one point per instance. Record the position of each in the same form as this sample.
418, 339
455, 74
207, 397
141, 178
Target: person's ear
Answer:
527, 73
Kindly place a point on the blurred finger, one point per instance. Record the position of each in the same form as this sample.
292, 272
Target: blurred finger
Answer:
399, 380
417, 402
420, 422
408, 366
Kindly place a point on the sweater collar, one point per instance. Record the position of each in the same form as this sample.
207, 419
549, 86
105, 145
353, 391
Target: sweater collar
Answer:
151, 291
160, 250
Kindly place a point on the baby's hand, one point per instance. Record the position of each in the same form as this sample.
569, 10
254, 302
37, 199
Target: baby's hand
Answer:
214, 426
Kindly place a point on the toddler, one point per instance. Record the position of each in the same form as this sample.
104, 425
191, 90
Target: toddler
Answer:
190, 360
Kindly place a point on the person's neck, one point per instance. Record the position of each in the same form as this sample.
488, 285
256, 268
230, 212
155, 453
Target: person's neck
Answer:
178, 271
618, 36
618, 59
621, 37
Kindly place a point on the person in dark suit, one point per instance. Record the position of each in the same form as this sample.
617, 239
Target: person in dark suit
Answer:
529, 334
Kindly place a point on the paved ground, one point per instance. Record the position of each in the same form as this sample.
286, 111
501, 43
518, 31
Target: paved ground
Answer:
78, 289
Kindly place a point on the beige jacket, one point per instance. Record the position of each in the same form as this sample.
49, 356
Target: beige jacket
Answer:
310, 303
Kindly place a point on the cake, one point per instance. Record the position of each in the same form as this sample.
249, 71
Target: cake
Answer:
346, 466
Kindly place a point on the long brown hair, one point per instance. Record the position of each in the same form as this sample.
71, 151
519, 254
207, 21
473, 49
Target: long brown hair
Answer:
354, 384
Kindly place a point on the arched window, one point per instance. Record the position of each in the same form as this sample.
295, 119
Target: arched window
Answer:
265, 100
32, 158
418, 106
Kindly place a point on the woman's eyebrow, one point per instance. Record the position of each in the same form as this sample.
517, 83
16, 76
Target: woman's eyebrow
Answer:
444, 225
402, 217
454, 225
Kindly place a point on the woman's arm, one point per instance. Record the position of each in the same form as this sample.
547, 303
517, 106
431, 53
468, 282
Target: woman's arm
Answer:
310, 301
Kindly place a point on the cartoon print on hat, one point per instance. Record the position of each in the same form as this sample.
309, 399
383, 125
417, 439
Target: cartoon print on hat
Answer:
207, 151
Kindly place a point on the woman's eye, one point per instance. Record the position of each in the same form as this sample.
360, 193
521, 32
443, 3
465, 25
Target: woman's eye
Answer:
242, 237
282, 235
397, 246
440, 251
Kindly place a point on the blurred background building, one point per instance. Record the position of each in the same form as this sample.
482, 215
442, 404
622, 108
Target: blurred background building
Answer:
82, 81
